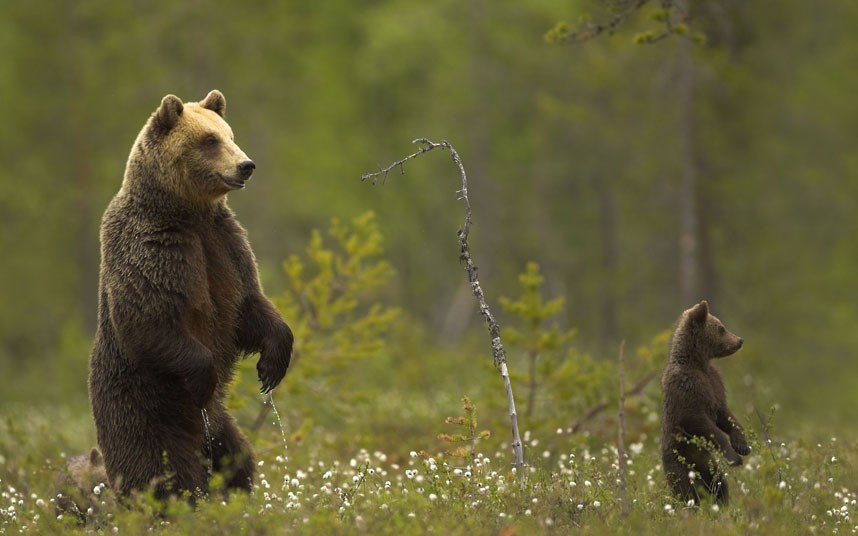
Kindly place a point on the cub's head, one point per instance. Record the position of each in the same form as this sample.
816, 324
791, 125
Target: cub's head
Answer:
189, 149
699, 334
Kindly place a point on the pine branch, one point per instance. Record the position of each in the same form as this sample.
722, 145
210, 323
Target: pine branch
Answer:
674, 16
561, 34
465, 257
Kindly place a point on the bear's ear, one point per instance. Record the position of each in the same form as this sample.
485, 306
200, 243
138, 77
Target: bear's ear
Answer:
168, 113
216, 102
699, 312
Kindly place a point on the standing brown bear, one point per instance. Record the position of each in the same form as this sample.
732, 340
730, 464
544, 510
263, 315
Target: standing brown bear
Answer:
179, 303
696, 416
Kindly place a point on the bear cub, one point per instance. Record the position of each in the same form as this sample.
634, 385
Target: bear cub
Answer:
79, 485
179, 304
696, 419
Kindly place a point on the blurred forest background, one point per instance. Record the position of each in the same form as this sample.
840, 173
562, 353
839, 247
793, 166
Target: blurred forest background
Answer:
640, 177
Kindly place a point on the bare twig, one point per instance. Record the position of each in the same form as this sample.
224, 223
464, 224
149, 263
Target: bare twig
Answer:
621, 433
465, 256
426, 147
603, 405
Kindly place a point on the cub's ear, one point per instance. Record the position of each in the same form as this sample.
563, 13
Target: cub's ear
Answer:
95, 457
216, 102
699, 312
168, 113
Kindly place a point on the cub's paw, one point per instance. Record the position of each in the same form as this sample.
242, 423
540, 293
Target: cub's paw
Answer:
742, 448
739, 443
733, 459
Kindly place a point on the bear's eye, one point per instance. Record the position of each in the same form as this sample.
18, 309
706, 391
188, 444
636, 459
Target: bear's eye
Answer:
211, 141
722, 330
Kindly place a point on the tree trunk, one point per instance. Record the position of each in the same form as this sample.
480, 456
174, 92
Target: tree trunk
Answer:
689, 217
609, 259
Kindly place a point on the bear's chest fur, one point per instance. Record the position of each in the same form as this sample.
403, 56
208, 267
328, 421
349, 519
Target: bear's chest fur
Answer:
691, 390
217, 291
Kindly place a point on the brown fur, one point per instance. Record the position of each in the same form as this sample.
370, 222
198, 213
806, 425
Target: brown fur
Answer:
179, 302
78, 483
695, 406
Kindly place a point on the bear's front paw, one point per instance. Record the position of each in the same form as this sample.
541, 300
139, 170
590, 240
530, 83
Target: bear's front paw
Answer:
274, 361
202, 385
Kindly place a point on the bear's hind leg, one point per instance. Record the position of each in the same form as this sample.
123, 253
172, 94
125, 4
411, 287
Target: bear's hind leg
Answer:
232, 456
686, 490
718, 488
713, 481
185, 474
682, 486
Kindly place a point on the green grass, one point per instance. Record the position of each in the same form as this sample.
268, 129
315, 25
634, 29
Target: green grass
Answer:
329, 483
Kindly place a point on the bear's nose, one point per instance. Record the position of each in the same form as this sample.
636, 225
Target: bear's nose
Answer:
741, 342
245, 169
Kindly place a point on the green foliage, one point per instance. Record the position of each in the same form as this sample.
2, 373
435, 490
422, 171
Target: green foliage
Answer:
329, 306
470, 437
784, 487
542, 345
532, 312
558, 34
323, 301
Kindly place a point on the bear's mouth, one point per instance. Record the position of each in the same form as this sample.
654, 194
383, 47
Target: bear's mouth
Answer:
233, 183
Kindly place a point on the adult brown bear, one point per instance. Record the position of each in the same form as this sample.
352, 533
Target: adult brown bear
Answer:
179, 304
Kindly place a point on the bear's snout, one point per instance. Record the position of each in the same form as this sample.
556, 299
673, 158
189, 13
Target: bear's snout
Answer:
741, 342
245, 169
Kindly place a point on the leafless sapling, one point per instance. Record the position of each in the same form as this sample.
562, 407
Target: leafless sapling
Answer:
465, 256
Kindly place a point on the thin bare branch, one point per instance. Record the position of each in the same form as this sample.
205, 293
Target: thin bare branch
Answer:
621, 433
426, 147
595, 410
